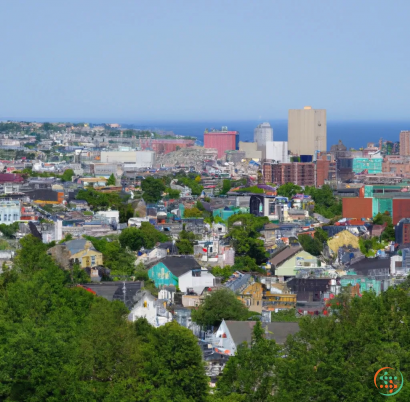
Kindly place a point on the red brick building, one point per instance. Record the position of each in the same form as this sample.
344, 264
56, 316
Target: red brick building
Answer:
222, 141
302, 174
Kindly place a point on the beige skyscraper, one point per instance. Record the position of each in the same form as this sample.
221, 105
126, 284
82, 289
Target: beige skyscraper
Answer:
307, 131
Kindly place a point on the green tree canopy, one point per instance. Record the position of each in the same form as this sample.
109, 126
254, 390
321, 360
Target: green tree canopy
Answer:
221, 304
192, 213
153, 189
146, 236
67, 175
251, 372
59, 342
111, 180
289, 190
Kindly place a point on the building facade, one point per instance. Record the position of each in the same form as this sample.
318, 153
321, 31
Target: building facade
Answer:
10, 211
302, 174
277, 151
262, 134
405, 143
222, 140
307, 131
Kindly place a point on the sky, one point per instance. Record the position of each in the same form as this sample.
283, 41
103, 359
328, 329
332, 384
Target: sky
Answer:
180, 60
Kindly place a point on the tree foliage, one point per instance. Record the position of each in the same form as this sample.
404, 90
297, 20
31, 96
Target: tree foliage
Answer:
251, 372
221, 304
153, 189
289, 190
244, 232
62, 343
311, 245
193, 212
67, 175
326, 204
146, 236
111, 180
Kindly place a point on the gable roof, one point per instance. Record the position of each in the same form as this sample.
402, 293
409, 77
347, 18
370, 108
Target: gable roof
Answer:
179, 265
284, 255
75, 246
241, 331
115, 291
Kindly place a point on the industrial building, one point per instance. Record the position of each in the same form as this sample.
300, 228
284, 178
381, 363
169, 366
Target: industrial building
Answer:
222, 140
142, 159
307, 132
373, 199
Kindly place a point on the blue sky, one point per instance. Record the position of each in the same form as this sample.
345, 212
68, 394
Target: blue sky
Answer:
132, 60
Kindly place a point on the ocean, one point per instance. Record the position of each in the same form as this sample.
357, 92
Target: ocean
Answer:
354, 134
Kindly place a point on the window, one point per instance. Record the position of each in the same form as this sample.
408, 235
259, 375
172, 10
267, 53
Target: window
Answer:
5, 217
93, 260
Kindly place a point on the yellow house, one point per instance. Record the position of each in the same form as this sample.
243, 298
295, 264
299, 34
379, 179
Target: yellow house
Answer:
79, 251
273, 301
251, 297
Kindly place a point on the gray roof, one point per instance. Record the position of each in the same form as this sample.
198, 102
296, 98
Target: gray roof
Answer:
284, 255
75, 246
115, 291
241, 331
179, 265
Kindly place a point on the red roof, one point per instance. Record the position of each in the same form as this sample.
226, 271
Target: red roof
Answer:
10, 178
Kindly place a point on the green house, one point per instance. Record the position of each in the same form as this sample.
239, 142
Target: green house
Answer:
167, 271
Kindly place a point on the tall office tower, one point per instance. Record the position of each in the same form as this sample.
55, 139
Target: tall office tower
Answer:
222, 140
405, 143
307, 131
262, 134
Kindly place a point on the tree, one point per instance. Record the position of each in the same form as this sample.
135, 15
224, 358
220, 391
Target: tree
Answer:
335, 358
251, 372
67, 175
153, 189
311, 245
325, 202
223, 273
284, 316
111, 180
184, 246
9, 230
173, 194
192, 213
245, 237
289, 190
146, 236
226, 186
221, 304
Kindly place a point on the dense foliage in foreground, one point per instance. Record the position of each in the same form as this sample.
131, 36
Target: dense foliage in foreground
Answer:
59, 342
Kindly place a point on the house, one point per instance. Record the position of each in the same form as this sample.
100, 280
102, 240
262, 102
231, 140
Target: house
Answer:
180, 271
79, 251
273, 301
377, 268
313, 290
291, 259
231, 334
125, 292
251, 297
151, 309
167, 293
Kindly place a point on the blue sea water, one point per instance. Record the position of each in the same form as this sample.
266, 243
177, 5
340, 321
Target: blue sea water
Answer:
354, 134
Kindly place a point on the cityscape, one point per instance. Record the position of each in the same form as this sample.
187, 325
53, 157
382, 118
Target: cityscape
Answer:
261, 258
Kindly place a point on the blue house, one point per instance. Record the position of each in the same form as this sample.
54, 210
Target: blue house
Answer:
167, 271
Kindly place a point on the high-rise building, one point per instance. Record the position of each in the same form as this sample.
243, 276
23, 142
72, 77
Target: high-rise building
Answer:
307, 132
405, 143
277, 151
222, 140
261, 135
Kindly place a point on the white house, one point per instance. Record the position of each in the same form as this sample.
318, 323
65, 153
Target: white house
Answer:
231, 334
196, 280
148, 307
112, 216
